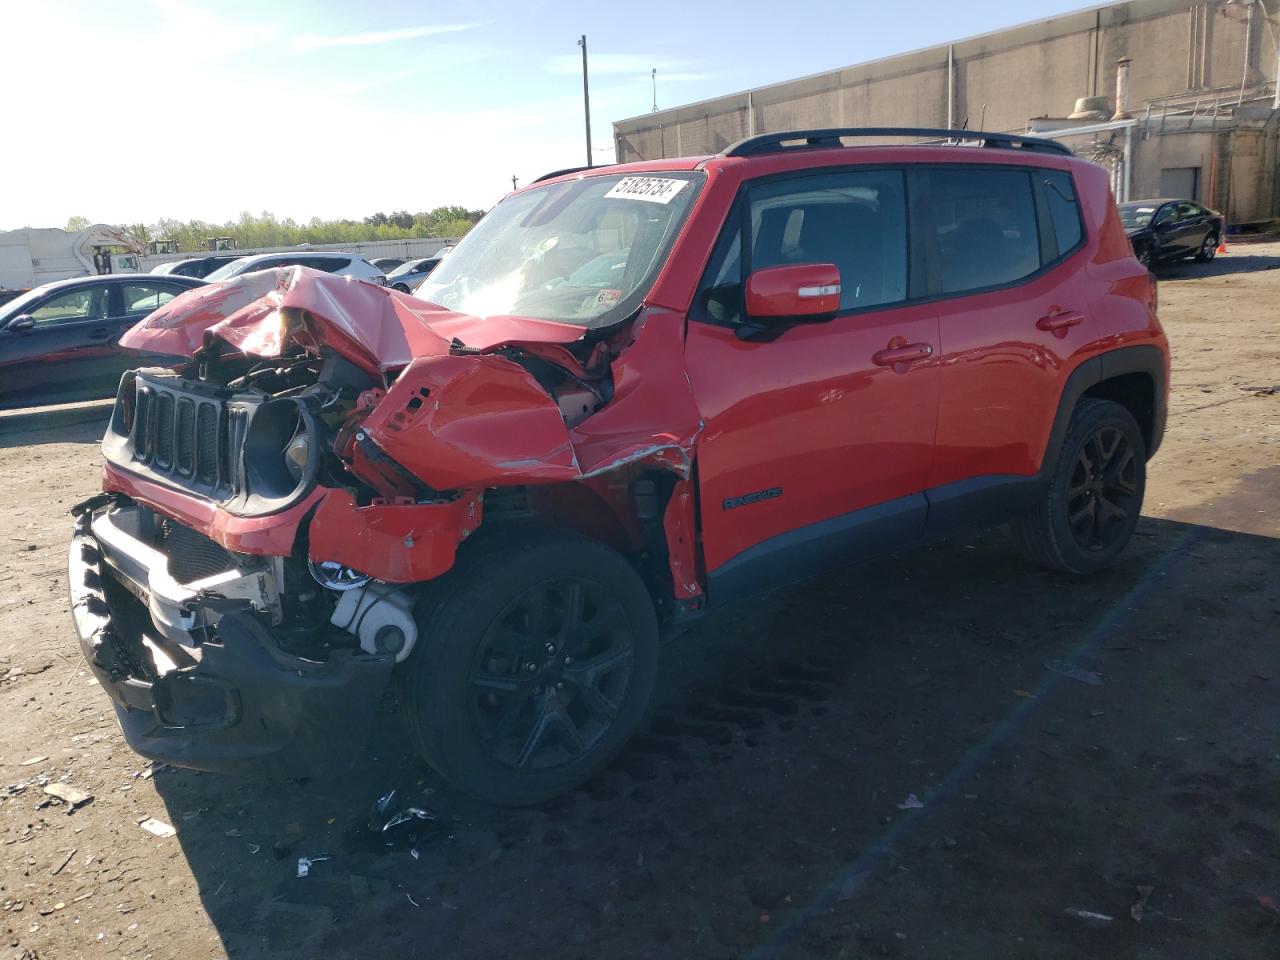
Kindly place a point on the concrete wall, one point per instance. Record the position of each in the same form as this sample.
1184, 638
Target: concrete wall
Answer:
999, 80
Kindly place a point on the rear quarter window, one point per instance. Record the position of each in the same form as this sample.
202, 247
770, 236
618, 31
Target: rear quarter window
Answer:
328, 264
1063, 208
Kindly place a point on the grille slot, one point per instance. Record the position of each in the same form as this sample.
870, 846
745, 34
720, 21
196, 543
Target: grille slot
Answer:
192, 556
164, 431
142, 423
185, 435
207, 443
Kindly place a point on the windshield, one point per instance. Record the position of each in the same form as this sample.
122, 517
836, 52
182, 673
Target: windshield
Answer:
1136, 214
18, 305
583, 251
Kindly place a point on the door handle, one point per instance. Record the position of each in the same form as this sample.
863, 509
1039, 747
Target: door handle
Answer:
1057, 321
899, 354
99, 333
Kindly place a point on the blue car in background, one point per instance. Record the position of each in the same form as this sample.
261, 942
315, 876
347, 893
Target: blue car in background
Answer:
411, 273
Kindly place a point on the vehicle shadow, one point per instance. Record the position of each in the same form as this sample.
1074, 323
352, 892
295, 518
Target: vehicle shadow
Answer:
948, 746
74, 423
1221, 266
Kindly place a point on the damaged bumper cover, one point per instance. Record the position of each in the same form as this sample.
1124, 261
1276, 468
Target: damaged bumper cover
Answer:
228, 699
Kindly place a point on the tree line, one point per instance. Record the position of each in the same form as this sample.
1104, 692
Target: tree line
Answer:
267, 230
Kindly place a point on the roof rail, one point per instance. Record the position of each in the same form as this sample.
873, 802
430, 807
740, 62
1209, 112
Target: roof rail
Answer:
567, 170
777, 142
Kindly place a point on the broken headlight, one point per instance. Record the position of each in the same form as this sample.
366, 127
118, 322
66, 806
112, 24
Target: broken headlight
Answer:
297, 453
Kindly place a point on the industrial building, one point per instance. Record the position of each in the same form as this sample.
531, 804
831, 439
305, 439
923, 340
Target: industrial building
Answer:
1176, 98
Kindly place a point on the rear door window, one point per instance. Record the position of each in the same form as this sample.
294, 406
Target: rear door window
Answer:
145, 297
978, 225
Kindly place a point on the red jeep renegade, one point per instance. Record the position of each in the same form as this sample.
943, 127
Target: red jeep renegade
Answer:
631, 395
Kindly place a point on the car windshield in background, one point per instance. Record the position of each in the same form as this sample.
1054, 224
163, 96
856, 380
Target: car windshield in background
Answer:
583, 251
1134, 215
17, 306
226, 271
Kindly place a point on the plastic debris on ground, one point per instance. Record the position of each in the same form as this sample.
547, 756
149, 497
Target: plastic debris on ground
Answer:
1087, 915
397, 826
158, 827
911, 803
306, 863
1071, 672
1144, 894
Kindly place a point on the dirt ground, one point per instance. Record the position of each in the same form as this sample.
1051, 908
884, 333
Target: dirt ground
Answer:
948, 754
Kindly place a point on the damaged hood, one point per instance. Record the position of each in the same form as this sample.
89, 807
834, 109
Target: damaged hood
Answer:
381, 329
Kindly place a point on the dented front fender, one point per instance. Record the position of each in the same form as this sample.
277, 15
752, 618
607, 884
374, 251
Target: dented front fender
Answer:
392, 542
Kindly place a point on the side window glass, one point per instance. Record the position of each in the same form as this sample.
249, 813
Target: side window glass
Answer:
145, 297
1064, 209
855, 220
74, 306
1168, 214
980, 226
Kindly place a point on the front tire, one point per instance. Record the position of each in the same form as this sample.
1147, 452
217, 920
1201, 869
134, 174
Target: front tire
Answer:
401, 287
1094, 497
1208, 249
536, 662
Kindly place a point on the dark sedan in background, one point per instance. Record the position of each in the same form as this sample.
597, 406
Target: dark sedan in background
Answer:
1168, 229
60, 342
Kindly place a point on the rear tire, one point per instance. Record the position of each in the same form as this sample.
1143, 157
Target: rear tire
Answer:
1094, 495
1208, 249
536, 662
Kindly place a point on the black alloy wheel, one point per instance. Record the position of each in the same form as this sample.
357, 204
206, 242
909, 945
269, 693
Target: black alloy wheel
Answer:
1104, 486
1144, 255
536, 659
1092, 495
550, 674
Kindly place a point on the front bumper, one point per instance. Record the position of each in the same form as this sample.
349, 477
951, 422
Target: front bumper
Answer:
223, 696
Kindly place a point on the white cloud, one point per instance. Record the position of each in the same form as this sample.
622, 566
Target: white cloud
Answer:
311, 41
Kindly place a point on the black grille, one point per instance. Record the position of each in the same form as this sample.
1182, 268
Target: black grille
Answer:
192, 556
182, 436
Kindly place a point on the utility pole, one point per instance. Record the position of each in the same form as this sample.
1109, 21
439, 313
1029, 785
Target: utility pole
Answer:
654, 77
513, 181
586, 95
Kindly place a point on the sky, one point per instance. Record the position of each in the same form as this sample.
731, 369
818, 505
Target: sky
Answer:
126, 111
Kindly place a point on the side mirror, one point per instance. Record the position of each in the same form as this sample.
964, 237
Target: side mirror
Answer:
779, 296
21, 323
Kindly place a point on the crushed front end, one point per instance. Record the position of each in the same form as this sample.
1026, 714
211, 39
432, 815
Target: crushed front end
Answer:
253, 570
